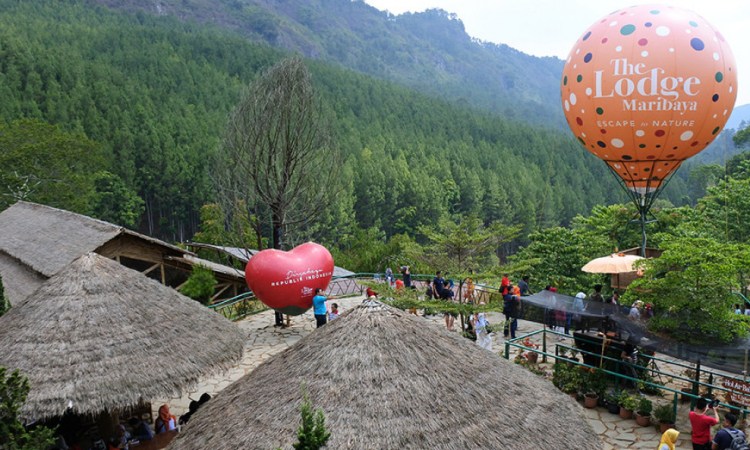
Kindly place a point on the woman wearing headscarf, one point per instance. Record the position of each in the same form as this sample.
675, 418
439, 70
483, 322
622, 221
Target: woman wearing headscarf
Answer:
668, 439
166, 421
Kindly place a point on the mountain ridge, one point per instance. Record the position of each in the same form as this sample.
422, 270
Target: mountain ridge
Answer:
428, 51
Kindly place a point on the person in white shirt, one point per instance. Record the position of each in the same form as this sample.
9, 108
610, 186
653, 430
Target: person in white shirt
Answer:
479, 322
635, 310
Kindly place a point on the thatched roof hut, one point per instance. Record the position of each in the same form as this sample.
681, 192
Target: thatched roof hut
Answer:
98, 336
385, 380
47, 239
37, 241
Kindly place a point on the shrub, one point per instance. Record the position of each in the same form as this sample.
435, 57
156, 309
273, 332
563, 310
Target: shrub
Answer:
664, 413
627, 401
568, 378
200, 285
644, 406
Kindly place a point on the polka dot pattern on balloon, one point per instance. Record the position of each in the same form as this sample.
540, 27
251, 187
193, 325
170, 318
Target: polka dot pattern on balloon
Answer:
656, 85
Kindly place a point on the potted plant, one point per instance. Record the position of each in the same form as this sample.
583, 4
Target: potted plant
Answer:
531, 355
611, 399
594, 385
643, 412
627, 404
664, 414
590, 399
566, 378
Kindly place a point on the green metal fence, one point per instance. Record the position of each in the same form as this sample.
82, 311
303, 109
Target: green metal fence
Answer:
649, 371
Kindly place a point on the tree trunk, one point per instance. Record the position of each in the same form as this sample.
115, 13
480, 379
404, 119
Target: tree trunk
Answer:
277, 224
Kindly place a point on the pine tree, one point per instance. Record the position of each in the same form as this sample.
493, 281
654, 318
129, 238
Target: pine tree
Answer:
312, 434
14, 388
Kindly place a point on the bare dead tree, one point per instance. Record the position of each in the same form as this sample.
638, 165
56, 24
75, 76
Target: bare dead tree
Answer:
277, 156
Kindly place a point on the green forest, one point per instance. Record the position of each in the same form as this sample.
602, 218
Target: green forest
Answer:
119, 116
137, 105
428, 51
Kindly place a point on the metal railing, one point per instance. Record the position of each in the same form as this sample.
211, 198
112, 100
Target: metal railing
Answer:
246, 304
693, 375
238, 307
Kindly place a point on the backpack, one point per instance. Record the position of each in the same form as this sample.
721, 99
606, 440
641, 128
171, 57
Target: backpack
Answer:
738, 440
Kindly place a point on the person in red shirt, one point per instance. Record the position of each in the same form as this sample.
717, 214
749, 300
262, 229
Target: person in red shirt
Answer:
504, 284
702, 423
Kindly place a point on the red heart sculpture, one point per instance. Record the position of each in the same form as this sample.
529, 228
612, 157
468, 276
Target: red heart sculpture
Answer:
286, 281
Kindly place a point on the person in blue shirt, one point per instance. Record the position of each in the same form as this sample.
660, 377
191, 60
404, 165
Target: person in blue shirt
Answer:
319, 307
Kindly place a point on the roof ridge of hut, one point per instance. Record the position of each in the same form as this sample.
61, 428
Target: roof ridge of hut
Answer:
110, 229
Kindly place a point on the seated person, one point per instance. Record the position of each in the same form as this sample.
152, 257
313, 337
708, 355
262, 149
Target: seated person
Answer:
141, 430
166, 421
370, 293
122, 436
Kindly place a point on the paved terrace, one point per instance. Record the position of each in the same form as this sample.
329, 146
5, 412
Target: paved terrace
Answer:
264, 341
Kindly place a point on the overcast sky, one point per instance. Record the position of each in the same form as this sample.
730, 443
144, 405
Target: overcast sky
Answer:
551, 27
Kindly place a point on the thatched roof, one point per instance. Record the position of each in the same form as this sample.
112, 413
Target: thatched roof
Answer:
47, 239
19, 280
389, 380
101, 336
37, 241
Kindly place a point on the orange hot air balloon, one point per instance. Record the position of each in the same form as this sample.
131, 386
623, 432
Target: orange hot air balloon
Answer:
646, 87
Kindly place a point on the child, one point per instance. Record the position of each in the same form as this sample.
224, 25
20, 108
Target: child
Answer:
334, 312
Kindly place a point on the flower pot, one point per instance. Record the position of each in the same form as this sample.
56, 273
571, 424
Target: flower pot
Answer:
613, 408
664, 426
590, 399
643, 420
626, 413
684, 396
532, 357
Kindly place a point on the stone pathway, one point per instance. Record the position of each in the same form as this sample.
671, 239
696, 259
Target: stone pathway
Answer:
264, 341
